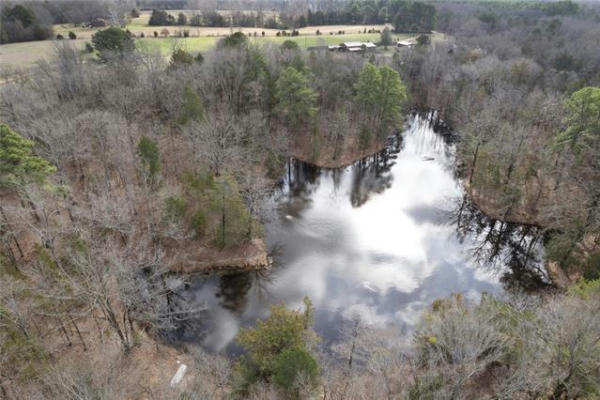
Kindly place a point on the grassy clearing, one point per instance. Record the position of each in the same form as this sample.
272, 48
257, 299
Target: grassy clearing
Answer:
23, 55
165, 46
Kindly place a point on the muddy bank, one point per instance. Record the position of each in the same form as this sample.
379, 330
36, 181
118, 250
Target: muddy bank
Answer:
328, 157
202, 258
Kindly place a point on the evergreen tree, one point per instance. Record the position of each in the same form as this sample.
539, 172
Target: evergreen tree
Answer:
148, 152
380, 95
296, 100
233, 217
192, 108
181, 57
112, 41
386, 37
18, 165
582, 120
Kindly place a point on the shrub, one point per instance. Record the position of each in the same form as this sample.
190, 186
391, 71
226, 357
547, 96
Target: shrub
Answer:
289, 45
59, 37
192, 108
423, 40
112, 41
72, 35
198, 223
291, 365
277, 348
235, 40
592, 267
181, 57
174, 208
148, 152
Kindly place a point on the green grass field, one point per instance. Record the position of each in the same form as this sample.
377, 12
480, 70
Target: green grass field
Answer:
165, 46
25, 54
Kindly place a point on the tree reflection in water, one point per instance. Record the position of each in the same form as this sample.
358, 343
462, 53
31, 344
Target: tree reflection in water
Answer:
514, 250
381, 239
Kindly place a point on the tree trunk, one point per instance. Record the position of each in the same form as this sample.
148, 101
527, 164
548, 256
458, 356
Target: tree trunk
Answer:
79, 334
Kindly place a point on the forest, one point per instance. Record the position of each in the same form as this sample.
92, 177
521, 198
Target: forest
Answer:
125, 175
405, 16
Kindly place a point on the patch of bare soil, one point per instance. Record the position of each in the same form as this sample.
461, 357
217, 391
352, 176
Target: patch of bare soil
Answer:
196, 257
326, 156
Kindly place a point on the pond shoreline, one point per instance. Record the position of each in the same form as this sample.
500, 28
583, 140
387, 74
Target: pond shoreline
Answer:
559, 277
249, 256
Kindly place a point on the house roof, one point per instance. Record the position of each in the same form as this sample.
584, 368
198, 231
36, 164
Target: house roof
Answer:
358, 44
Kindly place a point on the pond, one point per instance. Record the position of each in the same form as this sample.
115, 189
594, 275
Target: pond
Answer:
378, 241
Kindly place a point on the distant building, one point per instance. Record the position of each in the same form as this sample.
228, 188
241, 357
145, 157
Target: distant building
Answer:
404, 43
355, 46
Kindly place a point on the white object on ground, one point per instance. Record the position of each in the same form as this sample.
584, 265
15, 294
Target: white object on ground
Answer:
178, 375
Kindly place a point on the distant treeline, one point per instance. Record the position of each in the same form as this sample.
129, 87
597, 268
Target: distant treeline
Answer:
216, 19
406, 17
162, 4
32, 20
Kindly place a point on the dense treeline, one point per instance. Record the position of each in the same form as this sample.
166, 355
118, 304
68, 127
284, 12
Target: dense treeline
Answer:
513, 83
20, 24
404, 15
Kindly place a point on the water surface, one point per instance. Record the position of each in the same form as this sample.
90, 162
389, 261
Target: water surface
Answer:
379, 241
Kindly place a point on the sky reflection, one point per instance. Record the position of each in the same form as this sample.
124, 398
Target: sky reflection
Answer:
372, 241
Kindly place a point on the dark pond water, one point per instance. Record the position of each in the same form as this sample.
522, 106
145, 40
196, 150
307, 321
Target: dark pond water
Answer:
379, 241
